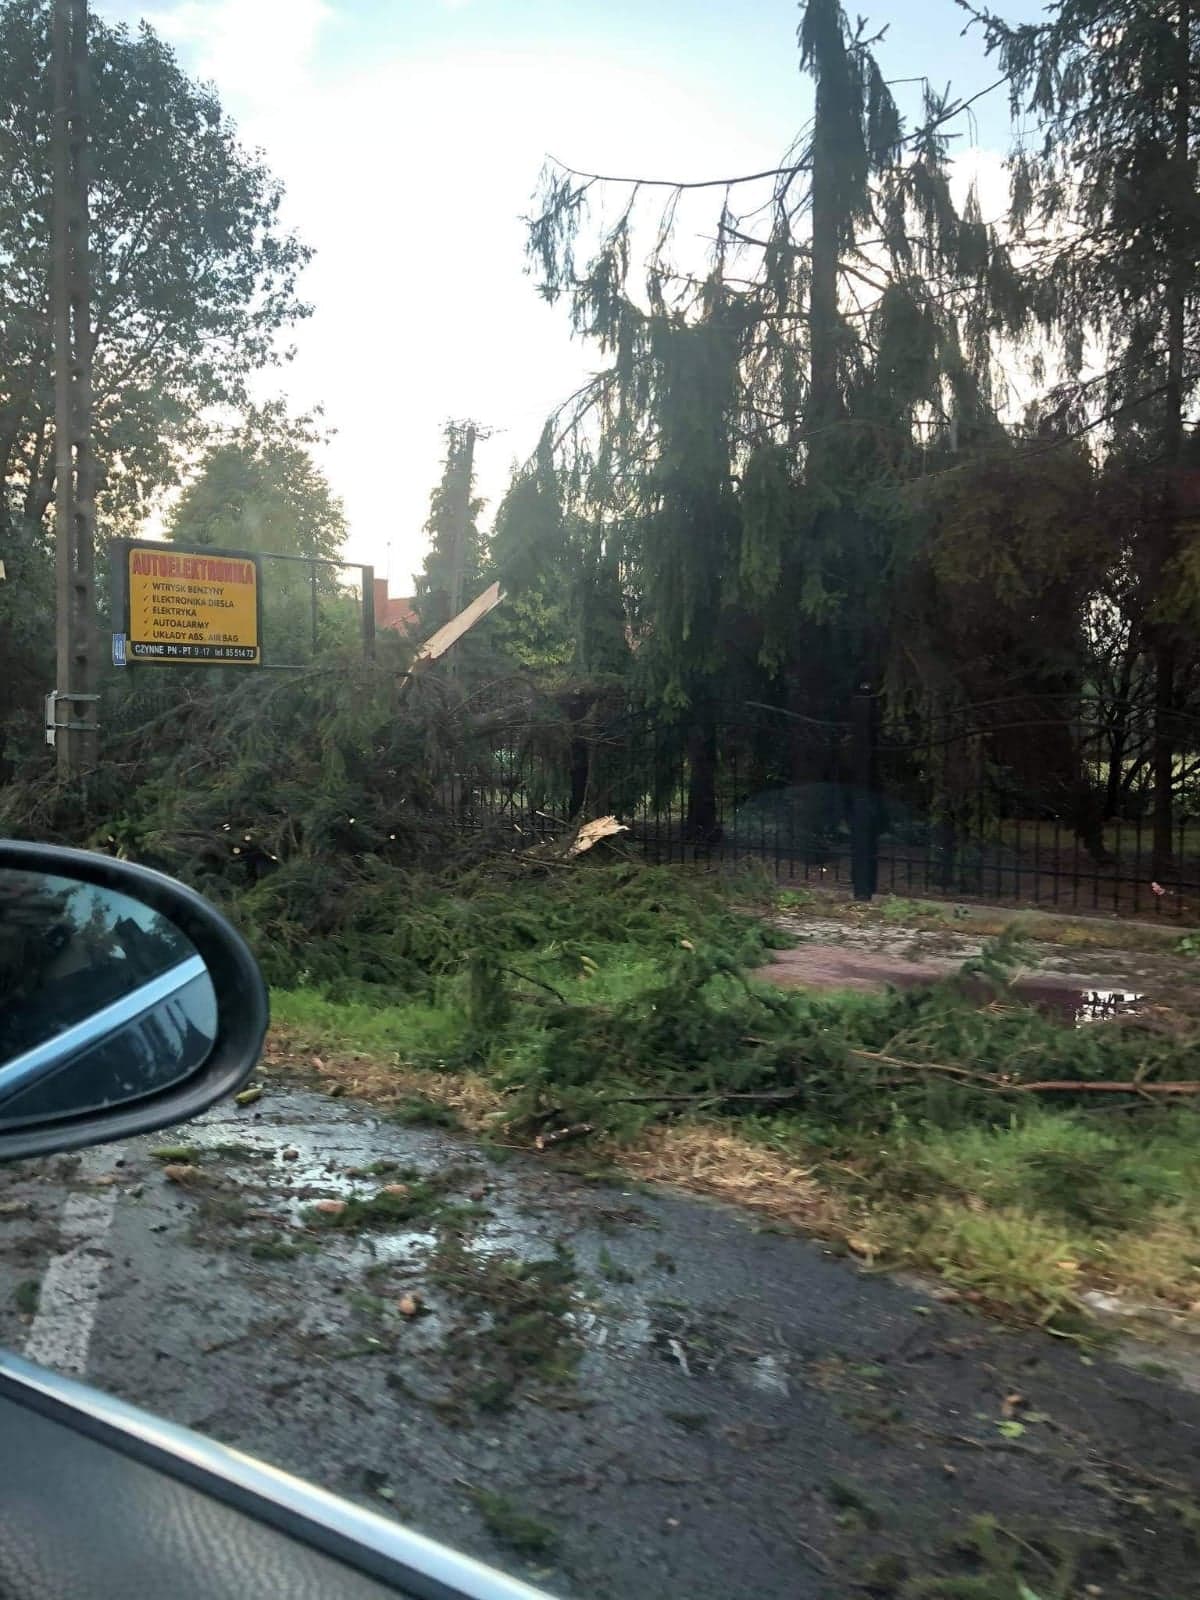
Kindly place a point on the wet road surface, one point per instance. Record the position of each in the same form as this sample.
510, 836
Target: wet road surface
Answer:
618, 1393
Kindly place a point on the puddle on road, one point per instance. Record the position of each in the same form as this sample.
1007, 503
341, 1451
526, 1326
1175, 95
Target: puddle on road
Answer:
340, 1168
1079, 1006
1064, 1002
609, 1318
1102, 1003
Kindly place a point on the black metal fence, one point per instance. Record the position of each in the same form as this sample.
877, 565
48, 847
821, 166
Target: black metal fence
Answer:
1047, 801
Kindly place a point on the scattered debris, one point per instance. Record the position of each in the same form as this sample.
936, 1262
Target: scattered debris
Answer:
512, 1527
855, 1506
677, 1350
25, 1298
420, 1199
275, 1249
612, 1269
591, 834
414, 1111
377, 1483
689, 1421
181, 1172
575, 1130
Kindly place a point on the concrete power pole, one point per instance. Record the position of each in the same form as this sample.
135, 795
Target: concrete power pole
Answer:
75, 699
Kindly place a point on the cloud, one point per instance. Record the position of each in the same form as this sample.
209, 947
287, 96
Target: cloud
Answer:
411, 178
987, 172
258, 52
409, 172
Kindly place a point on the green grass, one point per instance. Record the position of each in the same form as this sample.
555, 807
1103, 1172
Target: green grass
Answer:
409, 1031
1025, 1215
1044, 834
897, 909
551, 959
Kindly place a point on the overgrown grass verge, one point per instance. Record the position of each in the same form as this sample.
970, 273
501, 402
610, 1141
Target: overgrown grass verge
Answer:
1024, 1216
611, 1005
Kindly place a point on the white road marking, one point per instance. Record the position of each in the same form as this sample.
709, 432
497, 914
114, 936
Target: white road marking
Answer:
70, 1287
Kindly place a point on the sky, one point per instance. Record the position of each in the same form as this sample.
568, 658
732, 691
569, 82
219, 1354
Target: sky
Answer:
410, 135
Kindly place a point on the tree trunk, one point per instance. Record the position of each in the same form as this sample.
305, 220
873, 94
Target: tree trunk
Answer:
823, 309
580, 769
701, 825
1118, 738
806, 762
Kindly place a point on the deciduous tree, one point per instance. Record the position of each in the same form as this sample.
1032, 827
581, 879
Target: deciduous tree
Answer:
1105, 205
194, 277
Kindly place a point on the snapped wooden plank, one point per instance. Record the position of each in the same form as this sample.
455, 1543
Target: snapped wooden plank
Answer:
438, 643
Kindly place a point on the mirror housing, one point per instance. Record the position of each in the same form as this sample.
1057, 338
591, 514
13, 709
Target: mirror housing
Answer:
211, 953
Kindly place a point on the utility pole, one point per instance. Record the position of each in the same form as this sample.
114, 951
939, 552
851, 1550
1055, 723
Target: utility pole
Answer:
462, 516
75, 699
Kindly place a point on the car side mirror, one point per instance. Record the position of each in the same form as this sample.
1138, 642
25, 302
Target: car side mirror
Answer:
126, 1001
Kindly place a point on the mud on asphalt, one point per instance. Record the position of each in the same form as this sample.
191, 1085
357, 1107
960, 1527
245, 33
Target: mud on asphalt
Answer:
615, 1392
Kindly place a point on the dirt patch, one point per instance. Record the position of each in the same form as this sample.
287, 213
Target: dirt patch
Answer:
729, 1167
839, 966
871, 954
1072, 997
1081, 930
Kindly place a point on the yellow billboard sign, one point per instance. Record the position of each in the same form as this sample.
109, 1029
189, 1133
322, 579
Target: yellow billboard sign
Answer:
193, 605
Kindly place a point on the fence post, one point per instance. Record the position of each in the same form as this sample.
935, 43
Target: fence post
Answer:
864, 843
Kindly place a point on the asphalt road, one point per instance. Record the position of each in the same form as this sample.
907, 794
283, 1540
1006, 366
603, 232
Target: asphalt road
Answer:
617, 1393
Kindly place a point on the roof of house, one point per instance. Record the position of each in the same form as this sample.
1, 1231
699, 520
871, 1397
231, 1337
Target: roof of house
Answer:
392, 611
